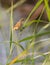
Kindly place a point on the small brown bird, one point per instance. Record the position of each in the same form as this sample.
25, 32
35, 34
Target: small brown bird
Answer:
18, 24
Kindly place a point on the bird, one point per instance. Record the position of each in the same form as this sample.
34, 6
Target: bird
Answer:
18, 24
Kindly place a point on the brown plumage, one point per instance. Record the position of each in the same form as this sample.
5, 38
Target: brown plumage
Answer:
18, 24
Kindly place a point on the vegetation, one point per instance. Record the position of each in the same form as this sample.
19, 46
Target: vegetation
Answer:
27, 56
